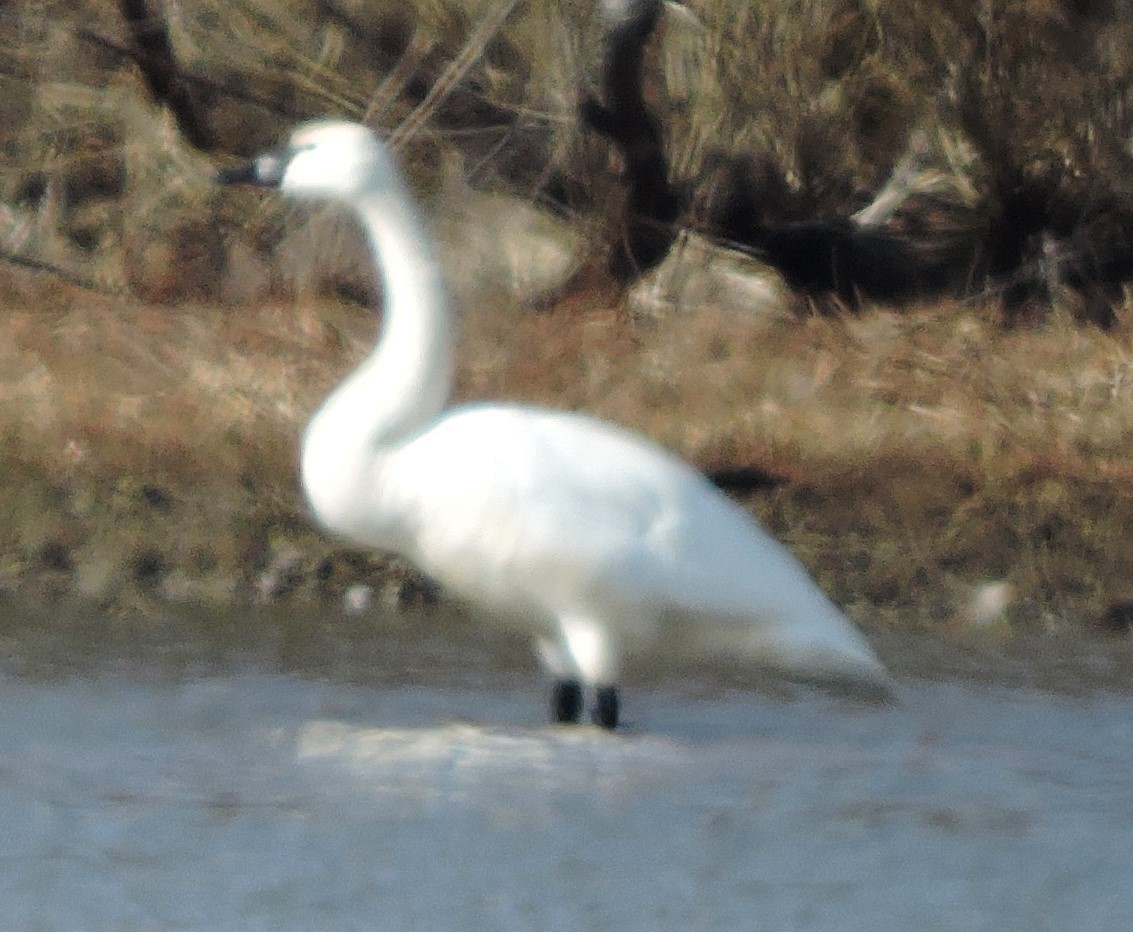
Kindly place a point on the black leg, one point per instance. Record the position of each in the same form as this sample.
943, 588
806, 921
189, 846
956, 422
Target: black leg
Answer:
566, 701
606, 707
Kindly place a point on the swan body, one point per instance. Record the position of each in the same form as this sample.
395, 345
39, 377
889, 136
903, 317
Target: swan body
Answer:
594, 540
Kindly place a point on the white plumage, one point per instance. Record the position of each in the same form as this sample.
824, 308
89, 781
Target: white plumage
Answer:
595, 540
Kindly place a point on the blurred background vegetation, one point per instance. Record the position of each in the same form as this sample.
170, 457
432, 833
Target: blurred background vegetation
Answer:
166, 339
1015, 112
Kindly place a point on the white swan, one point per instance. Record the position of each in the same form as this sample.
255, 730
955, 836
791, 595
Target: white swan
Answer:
593, 539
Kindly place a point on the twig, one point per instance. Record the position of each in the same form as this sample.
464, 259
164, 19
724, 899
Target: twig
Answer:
157, 61
452, 75
71, 278
207, 84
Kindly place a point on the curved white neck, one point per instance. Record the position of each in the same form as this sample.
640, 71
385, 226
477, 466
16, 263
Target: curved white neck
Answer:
403, 383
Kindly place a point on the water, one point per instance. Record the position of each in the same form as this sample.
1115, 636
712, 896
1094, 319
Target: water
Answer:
404, 779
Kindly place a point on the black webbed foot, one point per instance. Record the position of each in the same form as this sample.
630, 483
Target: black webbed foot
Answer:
566, 701
606, 707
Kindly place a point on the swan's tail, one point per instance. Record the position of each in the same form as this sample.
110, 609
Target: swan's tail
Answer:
843, 670
820, 646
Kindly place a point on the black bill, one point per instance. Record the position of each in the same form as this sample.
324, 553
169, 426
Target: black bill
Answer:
263, 171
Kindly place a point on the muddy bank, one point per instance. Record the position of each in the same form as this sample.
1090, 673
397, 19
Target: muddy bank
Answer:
139, 545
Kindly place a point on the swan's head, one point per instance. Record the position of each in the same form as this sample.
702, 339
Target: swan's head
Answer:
321, 159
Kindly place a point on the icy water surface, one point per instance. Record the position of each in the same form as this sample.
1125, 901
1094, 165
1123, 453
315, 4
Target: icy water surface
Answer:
407, 781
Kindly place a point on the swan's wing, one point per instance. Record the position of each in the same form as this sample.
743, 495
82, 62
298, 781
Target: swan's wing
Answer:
515, 489
558, 512
577, 501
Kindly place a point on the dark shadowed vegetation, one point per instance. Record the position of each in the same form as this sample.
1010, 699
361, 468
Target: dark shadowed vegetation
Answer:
991, 140
991, 190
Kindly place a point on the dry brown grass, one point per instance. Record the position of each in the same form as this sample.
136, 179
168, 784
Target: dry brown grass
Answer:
152, 450
150, 425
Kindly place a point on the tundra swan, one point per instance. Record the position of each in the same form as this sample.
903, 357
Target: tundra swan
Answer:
592, 539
